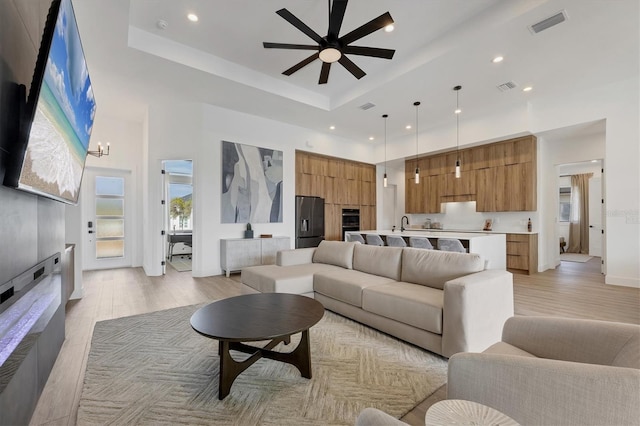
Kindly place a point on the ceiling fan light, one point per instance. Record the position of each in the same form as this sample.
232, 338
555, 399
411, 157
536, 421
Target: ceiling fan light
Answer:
330, 55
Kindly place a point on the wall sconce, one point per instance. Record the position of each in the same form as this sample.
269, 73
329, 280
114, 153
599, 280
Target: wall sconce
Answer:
100, 151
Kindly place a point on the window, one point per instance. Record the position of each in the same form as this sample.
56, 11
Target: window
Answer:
565, 204
109, 217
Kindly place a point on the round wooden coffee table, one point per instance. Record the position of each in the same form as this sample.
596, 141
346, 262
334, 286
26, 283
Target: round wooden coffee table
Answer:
256, 317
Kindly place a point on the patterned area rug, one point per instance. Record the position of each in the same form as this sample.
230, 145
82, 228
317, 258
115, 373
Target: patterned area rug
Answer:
575, 257
181, 264
154, 369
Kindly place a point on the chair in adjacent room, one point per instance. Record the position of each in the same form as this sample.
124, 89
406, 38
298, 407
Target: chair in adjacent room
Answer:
355, 238
420, 242
396, 241
374, 240
451, 244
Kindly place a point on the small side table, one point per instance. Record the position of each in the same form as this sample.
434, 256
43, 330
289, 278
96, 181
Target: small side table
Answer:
461, 412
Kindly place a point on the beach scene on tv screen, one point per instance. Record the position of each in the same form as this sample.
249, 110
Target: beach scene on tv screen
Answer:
63, 120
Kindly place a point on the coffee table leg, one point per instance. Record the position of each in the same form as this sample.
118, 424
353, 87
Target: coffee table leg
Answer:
302, 356
226, 376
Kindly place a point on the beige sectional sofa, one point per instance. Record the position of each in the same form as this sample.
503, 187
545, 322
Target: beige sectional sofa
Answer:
444, 302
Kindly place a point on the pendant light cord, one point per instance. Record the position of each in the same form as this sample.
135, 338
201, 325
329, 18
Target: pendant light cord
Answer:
416, 105
385, 142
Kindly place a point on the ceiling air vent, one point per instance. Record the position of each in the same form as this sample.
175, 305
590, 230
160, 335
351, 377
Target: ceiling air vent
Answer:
366, 106
548, 22
506, 86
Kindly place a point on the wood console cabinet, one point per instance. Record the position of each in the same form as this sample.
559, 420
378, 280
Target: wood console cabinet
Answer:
500, 177
522, 253
238, 253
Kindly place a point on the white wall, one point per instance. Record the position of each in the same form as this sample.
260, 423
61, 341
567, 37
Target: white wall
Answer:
195, 131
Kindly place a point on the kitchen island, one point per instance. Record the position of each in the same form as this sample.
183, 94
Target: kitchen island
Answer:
492, 247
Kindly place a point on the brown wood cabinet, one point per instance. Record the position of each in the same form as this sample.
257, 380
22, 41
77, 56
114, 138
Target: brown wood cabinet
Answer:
343, 184
522, 253
500, 177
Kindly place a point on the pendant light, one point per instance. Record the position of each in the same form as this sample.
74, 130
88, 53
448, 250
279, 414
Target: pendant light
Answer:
384, 179
457, 111
417, 178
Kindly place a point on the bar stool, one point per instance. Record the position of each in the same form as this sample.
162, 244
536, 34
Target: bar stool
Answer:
355, 238
420, 242
374, 240
396, 241
451, 244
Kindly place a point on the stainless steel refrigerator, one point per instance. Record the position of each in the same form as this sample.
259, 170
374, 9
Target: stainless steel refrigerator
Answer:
309, 221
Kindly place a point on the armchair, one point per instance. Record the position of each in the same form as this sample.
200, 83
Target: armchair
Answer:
555, 371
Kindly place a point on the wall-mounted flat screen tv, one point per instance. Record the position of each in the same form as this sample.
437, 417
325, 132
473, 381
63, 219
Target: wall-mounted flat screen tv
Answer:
59, 113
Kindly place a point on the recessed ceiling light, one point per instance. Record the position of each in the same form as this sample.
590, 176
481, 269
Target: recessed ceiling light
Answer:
497, 59
192, 17
408, 126
389, 28
457, 111
594, 161
371, 138
332, 127
527, 89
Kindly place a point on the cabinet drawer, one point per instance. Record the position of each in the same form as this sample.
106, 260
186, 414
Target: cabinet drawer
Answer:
518, 248
517, 262
524, 238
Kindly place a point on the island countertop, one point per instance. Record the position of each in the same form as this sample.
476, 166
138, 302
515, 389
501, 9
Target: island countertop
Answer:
491, 246
429, 233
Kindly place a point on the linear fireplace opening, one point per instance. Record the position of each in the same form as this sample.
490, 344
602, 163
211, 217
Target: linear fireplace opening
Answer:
31, 333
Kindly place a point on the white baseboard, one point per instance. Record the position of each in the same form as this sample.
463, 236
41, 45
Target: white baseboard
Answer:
622, 281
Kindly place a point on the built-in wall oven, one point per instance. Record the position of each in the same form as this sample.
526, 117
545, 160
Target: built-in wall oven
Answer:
350, 221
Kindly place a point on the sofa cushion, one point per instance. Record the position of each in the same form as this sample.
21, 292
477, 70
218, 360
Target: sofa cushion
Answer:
502, 348
412, 304
346, 285
296, 279
382, 261
336, 253
433, 268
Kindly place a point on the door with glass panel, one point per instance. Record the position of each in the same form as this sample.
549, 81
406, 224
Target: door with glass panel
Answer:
105, 211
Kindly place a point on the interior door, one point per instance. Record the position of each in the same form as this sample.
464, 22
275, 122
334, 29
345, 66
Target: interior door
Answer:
106, 213
595, 216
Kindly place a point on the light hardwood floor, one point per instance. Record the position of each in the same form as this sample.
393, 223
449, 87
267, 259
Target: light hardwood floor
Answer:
572, 290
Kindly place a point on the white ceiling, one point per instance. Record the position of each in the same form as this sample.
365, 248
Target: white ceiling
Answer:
439, 43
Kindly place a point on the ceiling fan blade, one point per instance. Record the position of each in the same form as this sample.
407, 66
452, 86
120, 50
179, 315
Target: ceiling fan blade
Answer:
366, 29
324, 73
269, 45
301, 64
369, 51
351, 67
290, 17
337, 15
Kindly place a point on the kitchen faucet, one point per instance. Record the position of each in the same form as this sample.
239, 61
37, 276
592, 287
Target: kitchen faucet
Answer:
402, 228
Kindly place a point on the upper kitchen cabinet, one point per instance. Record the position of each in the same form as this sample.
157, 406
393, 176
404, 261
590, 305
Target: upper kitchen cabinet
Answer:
500, 177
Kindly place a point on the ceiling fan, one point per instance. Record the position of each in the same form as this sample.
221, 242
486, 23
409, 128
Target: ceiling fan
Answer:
333, 48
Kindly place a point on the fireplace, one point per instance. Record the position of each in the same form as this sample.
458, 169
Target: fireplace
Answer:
31, 334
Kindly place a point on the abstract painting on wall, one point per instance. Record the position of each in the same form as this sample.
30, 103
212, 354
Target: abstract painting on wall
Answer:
251, 184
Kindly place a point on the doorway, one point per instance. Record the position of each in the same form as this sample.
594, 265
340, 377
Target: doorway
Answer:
178, 214
568, 215
106, 218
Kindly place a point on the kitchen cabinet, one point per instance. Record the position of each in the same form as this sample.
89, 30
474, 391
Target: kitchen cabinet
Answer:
500, 177
522, 253
342, 184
